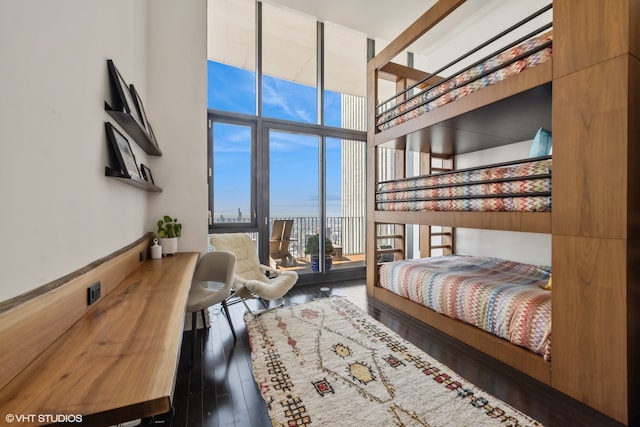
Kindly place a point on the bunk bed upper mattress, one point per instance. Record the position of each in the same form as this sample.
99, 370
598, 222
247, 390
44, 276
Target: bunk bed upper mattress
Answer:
491, 71
505, 298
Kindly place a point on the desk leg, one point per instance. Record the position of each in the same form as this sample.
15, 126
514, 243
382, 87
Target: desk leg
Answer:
194, 335
159, 419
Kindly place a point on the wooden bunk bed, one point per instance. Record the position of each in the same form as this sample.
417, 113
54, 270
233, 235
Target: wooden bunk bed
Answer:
593, 220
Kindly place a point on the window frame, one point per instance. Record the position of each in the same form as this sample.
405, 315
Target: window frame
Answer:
256, 165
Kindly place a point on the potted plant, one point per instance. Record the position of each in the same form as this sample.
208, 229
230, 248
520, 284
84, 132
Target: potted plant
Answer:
169, 229
312, 248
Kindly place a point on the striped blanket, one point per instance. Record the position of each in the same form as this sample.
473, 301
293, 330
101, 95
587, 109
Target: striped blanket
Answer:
520, 186
502, 297
509, 187
483, 204
514, 170
498, 67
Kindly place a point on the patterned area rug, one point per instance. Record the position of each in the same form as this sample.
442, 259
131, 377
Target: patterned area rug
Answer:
328, 363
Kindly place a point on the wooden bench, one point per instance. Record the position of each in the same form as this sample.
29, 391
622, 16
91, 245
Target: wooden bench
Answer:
109, 362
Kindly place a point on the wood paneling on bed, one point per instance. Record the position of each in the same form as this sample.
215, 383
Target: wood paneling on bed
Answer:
590, 170
589, 326
592, 31
596, 205
532, 222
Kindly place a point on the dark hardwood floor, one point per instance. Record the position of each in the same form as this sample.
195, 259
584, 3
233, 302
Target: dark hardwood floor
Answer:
220, 391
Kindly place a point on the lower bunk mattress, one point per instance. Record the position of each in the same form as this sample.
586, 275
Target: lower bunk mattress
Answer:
507, 203
519, 186
504, 298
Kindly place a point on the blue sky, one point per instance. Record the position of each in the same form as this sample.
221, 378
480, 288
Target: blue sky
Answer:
293, 158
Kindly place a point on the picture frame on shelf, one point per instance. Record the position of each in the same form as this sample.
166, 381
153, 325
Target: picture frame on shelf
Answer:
146, 173
121, 96
152, 135
124, 157
118, 100
139, 106
143, 114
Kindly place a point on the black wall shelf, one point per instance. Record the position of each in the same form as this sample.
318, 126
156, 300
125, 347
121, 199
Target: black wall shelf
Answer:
134, 180
133, 128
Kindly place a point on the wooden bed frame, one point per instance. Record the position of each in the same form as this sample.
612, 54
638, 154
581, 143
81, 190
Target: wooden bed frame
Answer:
590, 92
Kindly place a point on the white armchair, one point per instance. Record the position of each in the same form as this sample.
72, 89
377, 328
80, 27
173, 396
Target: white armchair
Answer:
252, 279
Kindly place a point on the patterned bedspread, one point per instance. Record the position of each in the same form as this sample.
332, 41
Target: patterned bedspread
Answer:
466, 176
519, 186
511, 187
481, 204
491, 71
502, 297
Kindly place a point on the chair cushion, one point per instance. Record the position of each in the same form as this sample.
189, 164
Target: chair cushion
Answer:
247, 263
201, 297
277, 286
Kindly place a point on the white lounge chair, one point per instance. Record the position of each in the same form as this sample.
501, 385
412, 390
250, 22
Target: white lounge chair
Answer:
251, 279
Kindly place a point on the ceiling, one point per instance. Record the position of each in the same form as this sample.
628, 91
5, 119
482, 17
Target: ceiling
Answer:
382, 19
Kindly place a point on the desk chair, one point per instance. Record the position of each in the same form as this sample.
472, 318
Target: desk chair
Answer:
212, 283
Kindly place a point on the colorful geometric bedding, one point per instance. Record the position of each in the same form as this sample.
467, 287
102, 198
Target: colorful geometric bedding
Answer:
466, 176
502, 297
535, 185
509, 187
482, 204
498, 68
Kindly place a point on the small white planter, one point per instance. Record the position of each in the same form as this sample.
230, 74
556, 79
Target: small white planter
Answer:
169, 245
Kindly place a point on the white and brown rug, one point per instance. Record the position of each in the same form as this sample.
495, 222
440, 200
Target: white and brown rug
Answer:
328, 363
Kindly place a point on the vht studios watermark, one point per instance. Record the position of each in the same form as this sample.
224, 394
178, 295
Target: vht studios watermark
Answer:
43, 418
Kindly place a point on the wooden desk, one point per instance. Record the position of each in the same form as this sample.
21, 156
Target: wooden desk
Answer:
118, 361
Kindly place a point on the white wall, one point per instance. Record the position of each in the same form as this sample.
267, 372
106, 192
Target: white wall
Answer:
177, 60
533, 248
59, 212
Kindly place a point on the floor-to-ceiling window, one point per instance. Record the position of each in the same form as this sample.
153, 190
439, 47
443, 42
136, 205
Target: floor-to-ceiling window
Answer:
286, 98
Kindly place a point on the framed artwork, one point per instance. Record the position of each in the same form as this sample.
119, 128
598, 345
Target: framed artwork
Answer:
143, 115
121, 95
152, 135
139, 107
146, 173
121, 149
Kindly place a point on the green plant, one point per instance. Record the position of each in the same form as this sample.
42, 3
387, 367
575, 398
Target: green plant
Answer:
312, 246
169, 227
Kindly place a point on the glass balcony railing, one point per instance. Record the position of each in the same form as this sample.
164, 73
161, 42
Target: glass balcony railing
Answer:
346, 233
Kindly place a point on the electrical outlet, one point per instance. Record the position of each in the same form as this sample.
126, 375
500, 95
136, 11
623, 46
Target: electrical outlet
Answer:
142, 256
93, 293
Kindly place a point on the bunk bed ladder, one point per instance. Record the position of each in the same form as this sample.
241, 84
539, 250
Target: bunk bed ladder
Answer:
437, 240
390, 242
